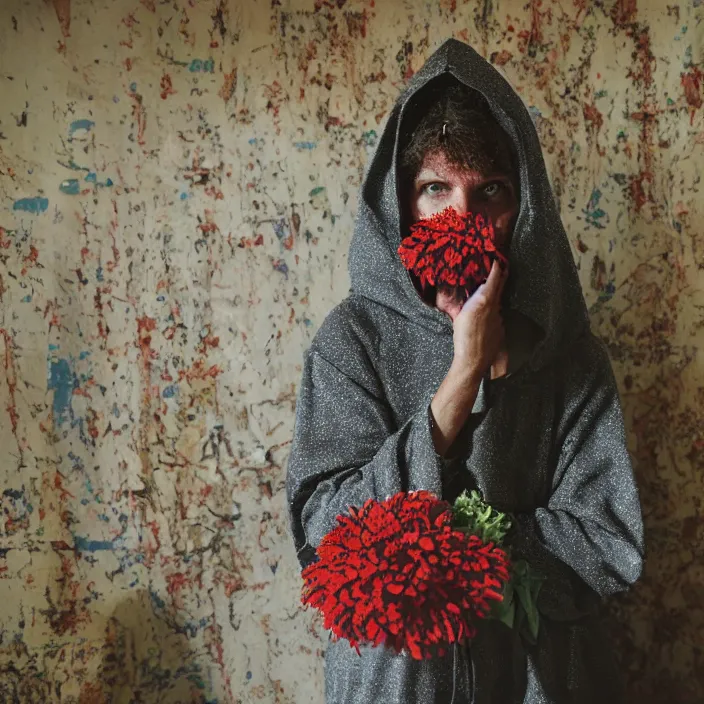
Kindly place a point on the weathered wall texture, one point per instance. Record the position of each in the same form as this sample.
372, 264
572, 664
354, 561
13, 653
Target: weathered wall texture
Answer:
178, 183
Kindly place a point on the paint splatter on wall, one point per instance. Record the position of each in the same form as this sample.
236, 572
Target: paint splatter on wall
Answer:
179, 184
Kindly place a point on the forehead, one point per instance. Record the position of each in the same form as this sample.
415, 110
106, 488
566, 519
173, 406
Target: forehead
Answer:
437, 162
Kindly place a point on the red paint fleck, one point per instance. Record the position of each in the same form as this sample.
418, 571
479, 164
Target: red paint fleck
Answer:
176, 582
208, 341
92, 694
644, 56
636, 190
691, 82
357, 24
592, 114
63, 14
624, 12
167, 87
112, 230
31, 259
248, 242
229, 85
199, 371
140, 115
501, 58
145, 326
233, 585
58, 484
209, 225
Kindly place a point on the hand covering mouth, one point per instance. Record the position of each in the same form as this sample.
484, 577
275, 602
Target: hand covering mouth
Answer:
450, 249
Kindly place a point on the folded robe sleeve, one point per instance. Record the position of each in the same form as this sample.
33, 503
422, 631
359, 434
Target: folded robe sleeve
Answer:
588, 539
346, 448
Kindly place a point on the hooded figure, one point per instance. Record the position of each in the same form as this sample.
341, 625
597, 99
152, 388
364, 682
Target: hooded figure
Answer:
544, 441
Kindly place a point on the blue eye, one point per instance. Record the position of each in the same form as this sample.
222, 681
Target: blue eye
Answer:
433, 188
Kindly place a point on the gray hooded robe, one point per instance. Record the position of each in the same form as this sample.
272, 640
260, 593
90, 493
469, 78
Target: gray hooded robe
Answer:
546, 442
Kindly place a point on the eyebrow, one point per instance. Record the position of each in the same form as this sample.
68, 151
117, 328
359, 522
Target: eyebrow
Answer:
429, 174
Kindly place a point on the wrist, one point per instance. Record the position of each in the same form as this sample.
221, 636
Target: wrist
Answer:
466, 372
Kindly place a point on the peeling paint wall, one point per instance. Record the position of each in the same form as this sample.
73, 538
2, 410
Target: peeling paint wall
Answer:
177, 191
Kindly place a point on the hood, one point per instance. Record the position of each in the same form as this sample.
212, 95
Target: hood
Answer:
543, 284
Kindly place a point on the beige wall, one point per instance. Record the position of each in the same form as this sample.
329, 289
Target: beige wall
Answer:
178, 184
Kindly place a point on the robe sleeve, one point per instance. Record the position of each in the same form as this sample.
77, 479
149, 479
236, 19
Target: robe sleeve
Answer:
588, 538
346, 446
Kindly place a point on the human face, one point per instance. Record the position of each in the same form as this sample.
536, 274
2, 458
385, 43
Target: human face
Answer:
440, 184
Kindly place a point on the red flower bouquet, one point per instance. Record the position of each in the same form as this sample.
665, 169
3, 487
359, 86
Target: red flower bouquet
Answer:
399, 573
453, 249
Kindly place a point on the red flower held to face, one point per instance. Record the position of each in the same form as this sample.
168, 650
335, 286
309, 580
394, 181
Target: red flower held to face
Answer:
396, 573
452, 249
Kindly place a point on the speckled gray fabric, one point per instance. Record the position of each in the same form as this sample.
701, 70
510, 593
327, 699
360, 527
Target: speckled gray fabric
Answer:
546, 442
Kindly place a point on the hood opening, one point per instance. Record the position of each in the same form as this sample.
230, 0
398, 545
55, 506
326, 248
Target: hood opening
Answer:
543, 286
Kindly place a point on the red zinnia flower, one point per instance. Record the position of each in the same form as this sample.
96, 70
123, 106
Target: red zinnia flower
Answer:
449, 248
396, 573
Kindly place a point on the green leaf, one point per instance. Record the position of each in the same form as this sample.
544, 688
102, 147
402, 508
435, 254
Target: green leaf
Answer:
472, 513
505, 610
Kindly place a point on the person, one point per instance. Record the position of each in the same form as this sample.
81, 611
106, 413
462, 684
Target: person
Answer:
507, 391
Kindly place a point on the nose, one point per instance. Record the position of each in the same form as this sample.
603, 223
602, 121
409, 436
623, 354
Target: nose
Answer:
461, 200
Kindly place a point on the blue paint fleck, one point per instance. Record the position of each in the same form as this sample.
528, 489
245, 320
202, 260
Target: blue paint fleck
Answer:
534, 112
133, 87
63, 381
593, 212
369, 138
305, 145
27, 299
184, 196
85, 545
99, 273
248, 675
71, 187
157, 600
197, 65
170, 391
34, 205
280, 229
280, 265
80, 125
92, 177
608, 291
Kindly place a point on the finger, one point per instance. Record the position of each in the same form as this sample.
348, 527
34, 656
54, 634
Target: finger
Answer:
504, 277
493, 283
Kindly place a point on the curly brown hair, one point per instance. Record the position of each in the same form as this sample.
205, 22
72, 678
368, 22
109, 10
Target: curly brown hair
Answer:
448, 117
